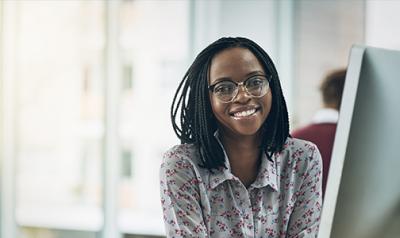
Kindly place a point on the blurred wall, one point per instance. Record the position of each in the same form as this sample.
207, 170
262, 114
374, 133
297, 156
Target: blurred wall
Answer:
382, 24
324, 32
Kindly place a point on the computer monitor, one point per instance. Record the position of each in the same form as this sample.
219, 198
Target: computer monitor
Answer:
362, 198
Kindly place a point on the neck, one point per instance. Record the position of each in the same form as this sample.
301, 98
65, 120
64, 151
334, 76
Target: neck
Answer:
242, 145
243, 153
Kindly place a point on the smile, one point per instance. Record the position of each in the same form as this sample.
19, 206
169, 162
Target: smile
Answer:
244, 114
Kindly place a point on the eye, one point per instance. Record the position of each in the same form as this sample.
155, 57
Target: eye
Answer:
256, 81
224, 88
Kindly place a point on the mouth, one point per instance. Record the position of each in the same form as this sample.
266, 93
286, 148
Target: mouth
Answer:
244, 114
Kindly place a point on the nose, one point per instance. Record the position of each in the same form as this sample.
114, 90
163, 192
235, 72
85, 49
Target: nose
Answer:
242, 94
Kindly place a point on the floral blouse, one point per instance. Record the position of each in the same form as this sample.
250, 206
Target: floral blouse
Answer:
283, 201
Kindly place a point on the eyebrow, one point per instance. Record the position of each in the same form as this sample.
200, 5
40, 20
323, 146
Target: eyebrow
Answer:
253, 73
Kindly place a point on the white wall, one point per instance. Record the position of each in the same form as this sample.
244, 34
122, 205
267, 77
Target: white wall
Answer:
252, 19
324, 32
268, 23
382, 24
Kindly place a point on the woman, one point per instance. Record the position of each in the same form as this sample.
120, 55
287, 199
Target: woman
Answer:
237, 171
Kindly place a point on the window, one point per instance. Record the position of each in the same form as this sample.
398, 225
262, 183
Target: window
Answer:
127, 77
154, 48
55, 62
126, 164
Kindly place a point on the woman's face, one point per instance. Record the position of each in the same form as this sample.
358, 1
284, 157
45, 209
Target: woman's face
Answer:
244, 115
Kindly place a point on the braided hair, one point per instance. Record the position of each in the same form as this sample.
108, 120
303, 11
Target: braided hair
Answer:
191, 107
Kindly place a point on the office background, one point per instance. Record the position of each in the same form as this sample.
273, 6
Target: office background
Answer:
85, 90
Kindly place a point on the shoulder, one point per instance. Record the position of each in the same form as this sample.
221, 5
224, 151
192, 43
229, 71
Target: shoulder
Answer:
299, 163
301, 154
183, 152
179, 170
180, 158
295, 144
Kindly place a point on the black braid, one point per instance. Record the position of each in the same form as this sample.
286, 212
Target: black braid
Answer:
197, 123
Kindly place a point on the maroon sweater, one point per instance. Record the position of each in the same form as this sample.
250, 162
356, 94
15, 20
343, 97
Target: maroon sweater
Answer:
322, 135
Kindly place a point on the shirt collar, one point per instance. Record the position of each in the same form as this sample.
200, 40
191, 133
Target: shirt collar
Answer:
221, 174
326, 115
267, 174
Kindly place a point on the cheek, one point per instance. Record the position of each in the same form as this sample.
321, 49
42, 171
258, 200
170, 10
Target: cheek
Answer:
217, 107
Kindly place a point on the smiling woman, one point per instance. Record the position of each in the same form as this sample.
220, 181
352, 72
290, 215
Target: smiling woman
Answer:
237, 172
246, 116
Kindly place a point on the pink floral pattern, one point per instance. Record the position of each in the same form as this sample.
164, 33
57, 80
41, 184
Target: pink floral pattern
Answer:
284, 200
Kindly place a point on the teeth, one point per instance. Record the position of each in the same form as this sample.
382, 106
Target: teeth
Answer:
245, 113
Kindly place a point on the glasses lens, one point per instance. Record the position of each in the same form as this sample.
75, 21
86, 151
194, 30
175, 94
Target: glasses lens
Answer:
225, 90
257, 86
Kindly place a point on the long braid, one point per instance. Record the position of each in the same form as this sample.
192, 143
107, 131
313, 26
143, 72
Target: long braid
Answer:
208, 143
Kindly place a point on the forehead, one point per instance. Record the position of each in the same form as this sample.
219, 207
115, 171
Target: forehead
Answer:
235, 64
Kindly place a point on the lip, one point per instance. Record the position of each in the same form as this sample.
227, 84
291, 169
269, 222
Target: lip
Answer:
243, 108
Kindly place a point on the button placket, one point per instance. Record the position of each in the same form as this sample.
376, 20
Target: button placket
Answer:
246, 210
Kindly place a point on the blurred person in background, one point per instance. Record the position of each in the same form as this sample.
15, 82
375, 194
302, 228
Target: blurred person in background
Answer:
321, 131
237, 172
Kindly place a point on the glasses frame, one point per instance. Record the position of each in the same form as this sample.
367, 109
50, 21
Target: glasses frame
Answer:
243, 84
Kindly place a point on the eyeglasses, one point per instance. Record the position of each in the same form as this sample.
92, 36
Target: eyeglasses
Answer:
226, 90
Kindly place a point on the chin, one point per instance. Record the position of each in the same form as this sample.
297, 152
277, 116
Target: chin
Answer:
246, 131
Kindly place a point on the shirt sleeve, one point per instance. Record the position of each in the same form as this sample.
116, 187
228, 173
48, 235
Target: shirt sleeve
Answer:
304, 221
180, 198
